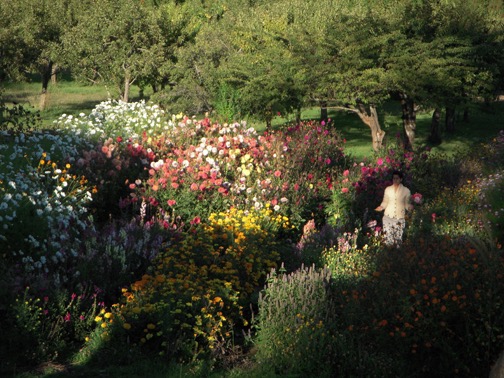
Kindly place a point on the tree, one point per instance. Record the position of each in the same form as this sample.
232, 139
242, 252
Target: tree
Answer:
115, 43
30, 34
441, 58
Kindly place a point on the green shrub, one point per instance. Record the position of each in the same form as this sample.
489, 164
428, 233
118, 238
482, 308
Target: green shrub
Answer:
295, 324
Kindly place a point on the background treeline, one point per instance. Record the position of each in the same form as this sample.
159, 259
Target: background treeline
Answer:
260, 57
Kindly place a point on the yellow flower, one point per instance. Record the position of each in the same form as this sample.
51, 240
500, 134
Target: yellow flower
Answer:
98, 319
151, 326
127, 326
108, 315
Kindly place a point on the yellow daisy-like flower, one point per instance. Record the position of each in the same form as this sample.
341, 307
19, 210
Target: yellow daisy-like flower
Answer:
98, 319
108, 315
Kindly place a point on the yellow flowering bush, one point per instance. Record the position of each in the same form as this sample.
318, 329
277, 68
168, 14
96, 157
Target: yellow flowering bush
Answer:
192, 297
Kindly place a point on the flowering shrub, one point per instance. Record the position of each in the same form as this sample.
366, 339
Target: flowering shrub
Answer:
230, 165
439, 296
49, 203
194, 293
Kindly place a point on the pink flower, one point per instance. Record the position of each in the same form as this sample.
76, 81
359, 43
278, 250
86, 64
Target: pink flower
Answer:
344, 190
346, 172
196, 220
67, 317
194, 186
277, 173
328, 161
171, 202
379, 161
417, 198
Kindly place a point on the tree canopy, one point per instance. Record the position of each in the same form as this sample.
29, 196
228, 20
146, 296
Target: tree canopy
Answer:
263, 57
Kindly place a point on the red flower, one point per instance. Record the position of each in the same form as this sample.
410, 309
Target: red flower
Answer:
196, 220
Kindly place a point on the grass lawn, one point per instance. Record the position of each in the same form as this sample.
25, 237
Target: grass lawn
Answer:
68, 97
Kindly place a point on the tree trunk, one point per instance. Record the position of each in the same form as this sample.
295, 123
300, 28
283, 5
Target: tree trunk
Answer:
371, 120
54, 73
46, 77
127, 83
268, 115
435, 135
409, 120
466, 115
323, 111
298, 115
450, 120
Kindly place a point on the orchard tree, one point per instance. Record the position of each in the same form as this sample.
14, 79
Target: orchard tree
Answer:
115, 43
30, 35
435, 59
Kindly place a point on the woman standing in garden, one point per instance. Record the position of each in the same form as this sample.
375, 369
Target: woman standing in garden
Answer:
396, 200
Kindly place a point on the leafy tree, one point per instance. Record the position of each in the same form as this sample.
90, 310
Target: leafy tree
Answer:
30, 33
115, 43
435, 59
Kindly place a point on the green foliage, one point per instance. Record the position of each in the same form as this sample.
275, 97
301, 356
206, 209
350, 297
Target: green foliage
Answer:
226, 106
17, 118
53, 324
297, 316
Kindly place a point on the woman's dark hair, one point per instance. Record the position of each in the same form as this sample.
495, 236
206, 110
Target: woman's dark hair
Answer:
398, 173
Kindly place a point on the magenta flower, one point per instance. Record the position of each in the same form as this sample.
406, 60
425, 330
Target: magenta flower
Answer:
379, 161
67, 317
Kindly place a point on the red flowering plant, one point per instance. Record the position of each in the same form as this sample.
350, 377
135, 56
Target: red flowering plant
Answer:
196, 179
305, 160
111, 167
224, 165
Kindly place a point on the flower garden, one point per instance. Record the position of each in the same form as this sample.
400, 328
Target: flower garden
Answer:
131, 232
